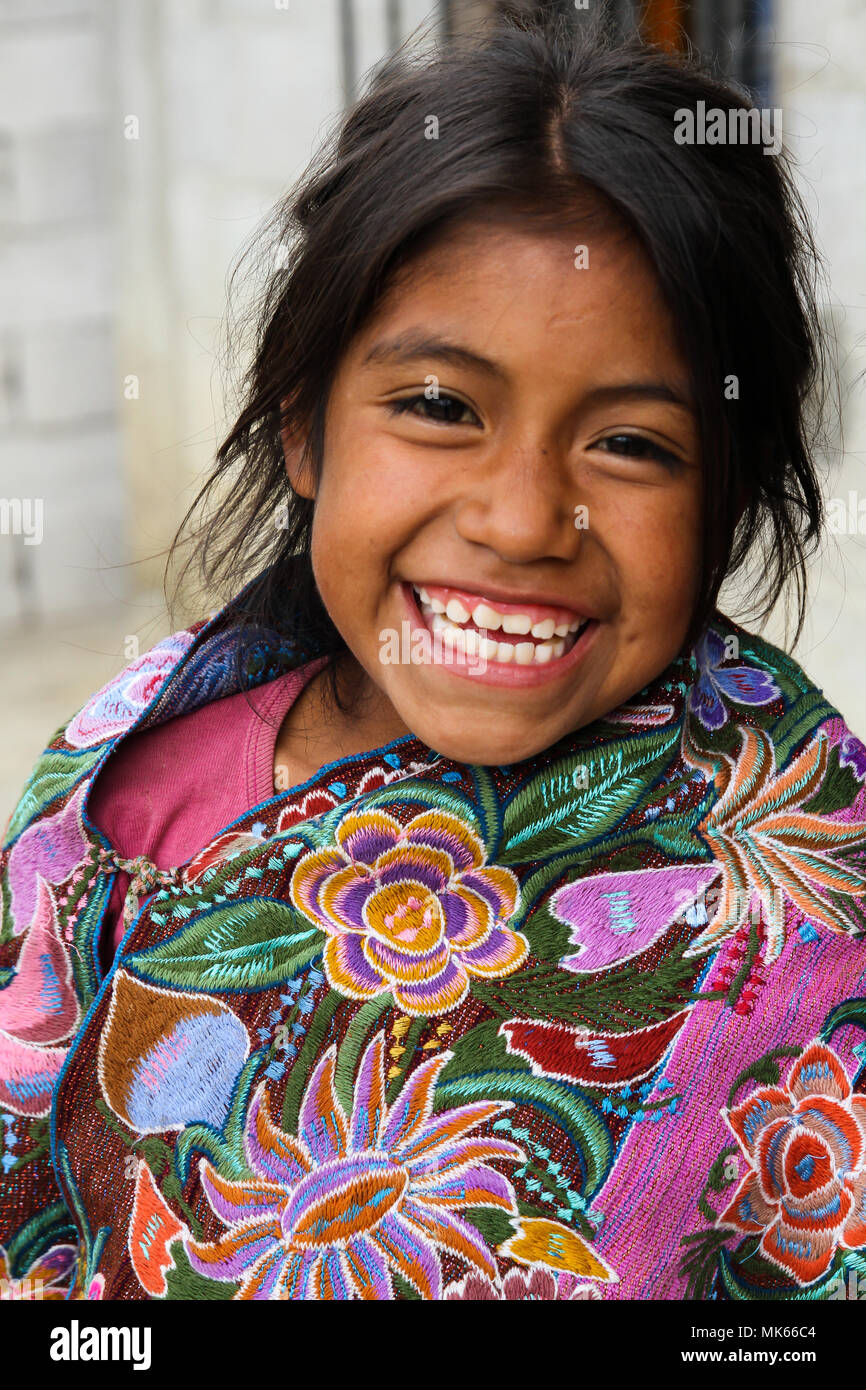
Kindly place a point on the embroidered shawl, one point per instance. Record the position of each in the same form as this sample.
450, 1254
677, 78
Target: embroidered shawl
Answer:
592, 1025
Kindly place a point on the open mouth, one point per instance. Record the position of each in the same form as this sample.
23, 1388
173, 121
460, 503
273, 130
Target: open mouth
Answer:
506, 633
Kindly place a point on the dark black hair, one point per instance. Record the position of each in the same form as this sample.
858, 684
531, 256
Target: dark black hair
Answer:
533, 114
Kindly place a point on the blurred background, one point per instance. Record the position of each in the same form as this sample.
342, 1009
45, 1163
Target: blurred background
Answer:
141, 143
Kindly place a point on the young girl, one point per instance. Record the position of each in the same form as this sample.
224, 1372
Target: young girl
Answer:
468, 909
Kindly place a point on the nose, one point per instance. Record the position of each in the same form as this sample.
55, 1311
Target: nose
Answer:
523, 507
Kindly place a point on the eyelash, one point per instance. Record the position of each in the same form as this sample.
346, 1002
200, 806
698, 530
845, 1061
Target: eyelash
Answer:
403, 406
647, 448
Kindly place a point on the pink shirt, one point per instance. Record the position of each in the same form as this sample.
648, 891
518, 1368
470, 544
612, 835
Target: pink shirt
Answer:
168, 791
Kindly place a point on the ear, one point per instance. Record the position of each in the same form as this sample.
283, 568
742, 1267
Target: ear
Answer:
297, 467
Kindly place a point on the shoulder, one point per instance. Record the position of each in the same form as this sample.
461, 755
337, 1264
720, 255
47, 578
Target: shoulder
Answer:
77, 747
742, 678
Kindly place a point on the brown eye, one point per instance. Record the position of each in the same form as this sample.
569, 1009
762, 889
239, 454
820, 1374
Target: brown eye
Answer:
442, 409
635, 446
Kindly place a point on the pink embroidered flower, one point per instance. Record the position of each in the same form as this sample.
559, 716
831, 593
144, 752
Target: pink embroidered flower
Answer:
521, 1286
52, 848
119, 703
38, 1009
337, 1210
412, 909
805, 1143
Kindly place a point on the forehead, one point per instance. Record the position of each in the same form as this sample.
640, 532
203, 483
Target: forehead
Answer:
513, 289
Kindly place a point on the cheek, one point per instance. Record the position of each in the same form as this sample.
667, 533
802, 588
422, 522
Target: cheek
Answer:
657, 555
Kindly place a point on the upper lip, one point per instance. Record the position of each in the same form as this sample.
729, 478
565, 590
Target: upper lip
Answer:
493, 592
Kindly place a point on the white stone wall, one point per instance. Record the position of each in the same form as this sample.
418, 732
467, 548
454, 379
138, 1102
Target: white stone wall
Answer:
819, 56
59, 446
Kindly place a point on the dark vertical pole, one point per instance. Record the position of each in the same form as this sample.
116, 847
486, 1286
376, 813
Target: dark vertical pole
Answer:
348, 58
446, 20
393, 24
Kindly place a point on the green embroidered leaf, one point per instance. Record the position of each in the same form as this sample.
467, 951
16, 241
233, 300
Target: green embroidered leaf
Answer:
801, 719
745, 1275
182, 1281
245, 945
56, 773
851, 1011
766, 1071
574, 801
86, 925
617, 999
548, 937
495, 1226
837, 791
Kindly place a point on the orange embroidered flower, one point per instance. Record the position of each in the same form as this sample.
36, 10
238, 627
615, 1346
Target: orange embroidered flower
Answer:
805, 1143
412, 909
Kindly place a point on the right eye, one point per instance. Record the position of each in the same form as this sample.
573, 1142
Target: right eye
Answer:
441, 409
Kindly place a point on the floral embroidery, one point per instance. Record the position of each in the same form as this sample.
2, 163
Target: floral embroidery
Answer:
336, 1211
168, 1058
412, 909
53, 848
530, 1160
805, 1143
770, 847
47, 1277
119, 703
614, 917
744, 685
38, 1009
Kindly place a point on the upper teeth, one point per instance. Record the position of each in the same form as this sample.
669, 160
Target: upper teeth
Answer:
484, 616
446, 619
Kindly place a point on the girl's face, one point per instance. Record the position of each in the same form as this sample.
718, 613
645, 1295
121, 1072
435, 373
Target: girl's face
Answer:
511, 434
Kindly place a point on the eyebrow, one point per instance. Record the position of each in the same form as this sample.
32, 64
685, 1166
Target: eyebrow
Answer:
411, 345
414, 345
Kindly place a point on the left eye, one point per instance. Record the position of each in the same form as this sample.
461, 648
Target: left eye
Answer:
635, 446
452, 407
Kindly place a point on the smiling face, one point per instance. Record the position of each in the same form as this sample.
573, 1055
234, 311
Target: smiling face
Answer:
509, 440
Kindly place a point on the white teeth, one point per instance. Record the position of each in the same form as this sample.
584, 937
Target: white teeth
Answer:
470, 642
487, 617
516, 622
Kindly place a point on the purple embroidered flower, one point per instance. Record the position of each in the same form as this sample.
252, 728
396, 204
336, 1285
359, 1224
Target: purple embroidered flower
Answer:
852, 753
744, 685
337, 1209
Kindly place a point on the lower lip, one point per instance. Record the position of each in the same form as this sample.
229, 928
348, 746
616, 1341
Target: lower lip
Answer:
500, 672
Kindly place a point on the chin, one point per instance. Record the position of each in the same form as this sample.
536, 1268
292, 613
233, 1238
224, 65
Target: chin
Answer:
488, 747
